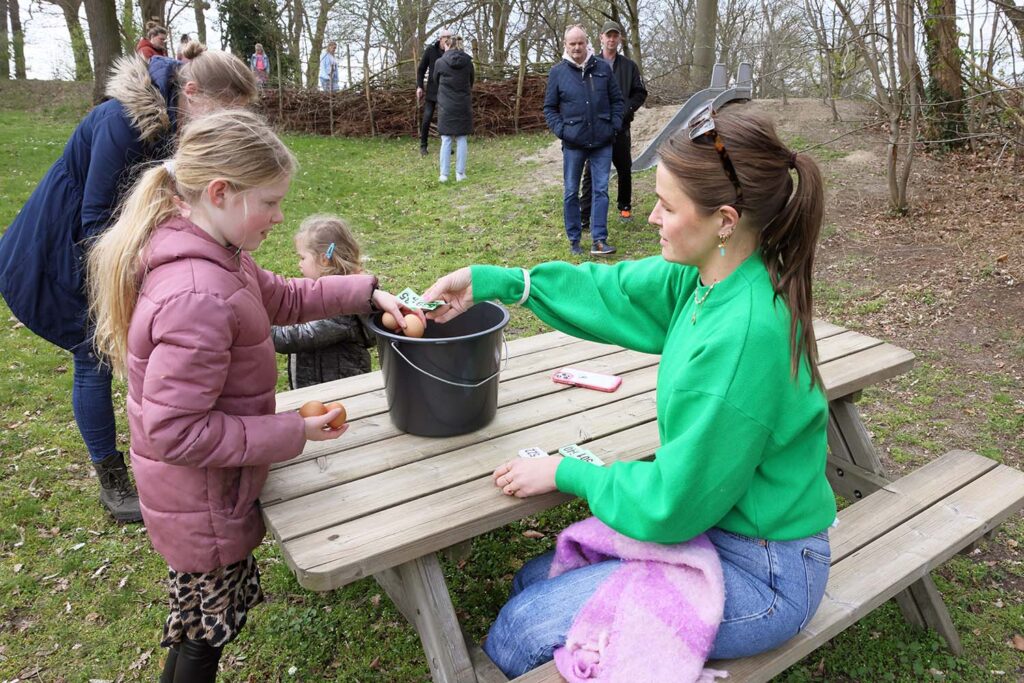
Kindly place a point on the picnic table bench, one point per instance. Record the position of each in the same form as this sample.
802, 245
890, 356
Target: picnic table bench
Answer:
381, 503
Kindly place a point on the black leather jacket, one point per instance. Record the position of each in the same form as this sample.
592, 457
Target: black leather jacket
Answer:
324, 350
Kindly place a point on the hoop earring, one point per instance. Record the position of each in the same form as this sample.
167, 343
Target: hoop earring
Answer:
722, 239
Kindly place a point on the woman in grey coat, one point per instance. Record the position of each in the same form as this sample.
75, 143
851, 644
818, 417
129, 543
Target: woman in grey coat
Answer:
454, 74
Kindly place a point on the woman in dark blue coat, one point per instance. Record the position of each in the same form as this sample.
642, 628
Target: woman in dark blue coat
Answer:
42, 251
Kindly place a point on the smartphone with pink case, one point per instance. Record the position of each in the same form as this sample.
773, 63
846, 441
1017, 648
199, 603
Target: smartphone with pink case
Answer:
587, 380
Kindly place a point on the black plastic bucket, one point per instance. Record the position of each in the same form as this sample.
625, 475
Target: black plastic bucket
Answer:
446, 382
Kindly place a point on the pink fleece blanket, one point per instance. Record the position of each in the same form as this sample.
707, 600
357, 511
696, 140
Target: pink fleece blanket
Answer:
653, 619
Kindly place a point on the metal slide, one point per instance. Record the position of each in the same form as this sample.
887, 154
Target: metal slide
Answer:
718, 92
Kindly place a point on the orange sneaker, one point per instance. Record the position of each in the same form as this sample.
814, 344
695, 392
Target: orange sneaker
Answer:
625, 215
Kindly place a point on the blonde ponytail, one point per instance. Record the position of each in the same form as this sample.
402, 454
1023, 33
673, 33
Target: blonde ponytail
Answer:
115, 259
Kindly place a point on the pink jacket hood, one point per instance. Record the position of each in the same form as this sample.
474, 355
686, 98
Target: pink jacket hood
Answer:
201, 381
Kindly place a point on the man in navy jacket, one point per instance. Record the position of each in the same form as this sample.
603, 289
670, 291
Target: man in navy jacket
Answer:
583, 107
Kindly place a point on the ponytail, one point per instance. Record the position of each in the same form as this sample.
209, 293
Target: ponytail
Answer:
115, 259
788, 244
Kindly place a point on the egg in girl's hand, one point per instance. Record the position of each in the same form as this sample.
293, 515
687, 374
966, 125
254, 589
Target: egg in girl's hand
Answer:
388, 321
338, 422
413, 326
316, 409
312, 409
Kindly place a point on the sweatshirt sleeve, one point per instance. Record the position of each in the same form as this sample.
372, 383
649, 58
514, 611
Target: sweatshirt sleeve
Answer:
630, 303
694, 480
187, 370
290, 301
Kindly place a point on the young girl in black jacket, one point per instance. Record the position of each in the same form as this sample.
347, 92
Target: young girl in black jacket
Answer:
329, 349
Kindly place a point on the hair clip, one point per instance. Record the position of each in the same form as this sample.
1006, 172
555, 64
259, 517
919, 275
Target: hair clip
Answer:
169, 167
330, 251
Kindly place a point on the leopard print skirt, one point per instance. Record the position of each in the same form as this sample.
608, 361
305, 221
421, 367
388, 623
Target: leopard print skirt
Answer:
212, 607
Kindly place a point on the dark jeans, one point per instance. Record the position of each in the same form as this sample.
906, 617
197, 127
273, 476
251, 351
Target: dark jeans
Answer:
93, 403
573, 160
428, 113
622, 160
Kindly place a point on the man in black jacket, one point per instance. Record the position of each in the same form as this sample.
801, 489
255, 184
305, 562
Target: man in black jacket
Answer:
634, 93
430, 55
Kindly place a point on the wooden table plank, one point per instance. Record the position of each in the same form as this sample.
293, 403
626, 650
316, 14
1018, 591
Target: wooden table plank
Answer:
858, 371
377, 497
334, 556
374, 405
304, 515
340, 467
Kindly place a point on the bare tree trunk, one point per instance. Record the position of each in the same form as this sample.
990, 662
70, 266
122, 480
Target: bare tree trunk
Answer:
370, 6
5, 42
704, 42
18, 40
152, 10
79, 46
199, 6
129, 34
907, 58
103, 33
316, 42
412, 32
945, 85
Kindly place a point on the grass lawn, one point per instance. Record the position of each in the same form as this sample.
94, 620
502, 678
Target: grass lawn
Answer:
82, 598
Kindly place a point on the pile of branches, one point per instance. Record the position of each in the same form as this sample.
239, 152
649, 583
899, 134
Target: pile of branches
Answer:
391, 111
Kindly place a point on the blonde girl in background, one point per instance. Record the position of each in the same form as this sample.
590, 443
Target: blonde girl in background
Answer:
180, 307
332, 348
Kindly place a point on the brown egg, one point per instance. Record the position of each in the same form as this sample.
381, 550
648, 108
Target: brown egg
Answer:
312, 409
413, 326
338, 422
389, 321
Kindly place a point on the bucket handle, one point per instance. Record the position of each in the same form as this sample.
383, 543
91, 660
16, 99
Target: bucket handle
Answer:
456, 384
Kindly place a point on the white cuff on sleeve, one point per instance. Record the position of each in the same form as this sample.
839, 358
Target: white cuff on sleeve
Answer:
526, 288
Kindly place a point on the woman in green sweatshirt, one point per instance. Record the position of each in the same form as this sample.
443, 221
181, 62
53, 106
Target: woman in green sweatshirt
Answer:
741, 410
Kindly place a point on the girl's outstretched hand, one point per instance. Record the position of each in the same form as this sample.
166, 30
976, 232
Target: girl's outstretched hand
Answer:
315, 426
527, 476
389, 303
456, 290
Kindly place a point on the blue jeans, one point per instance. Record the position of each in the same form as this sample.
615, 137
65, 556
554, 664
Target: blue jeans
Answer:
93, 403
772, 589
572, 170
461, 152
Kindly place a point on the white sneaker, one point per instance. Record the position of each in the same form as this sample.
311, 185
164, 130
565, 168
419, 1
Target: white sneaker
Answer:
459, 178
442, 179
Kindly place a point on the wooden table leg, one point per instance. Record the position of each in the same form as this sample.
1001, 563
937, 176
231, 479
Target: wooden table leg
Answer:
420, 593
848, 439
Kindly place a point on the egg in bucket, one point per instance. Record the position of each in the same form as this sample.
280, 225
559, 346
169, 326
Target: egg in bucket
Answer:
446, 382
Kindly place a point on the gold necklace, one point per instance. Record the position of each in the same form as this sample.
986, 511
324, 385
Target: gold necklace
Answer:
698, 301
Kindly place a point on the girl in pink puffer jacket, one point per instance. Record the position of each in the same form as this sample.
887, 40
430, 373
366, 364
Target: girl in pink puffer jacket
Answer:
182, 309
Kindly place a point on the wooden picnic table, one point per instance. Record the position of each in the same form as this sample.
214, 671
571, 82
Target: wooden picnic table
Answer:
379, 502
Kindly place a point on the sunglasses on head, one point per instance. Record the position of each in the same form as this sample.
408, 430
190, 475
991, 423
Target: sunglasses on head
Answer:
702, 126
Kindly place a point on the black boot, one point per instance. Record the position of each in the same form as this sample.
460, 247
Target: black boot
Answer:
117, 493
169, 665
196, 662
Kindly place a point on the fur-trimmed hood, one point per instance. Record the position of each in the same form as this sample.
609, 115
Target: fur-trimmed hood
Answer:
146, 92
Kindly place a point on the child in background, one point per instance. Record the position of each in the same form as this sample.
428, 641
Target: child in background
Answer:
181, 307
332, 348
